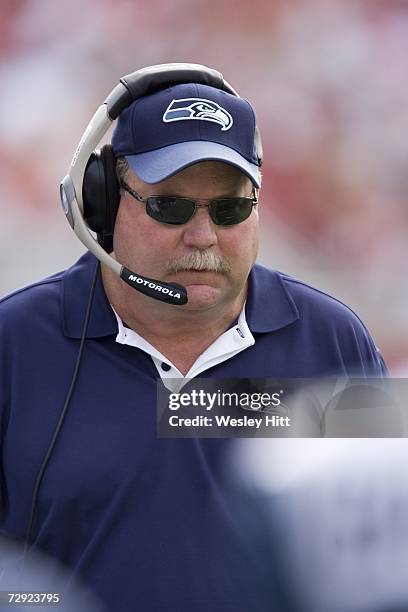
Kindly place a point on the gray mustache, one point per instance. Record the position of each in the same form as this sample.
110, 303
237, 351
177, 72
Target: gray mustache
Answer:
199, 260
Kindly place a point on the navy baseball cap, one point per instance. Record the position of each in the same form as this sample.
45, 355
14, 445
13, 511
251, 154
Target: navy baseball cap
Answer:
165, 132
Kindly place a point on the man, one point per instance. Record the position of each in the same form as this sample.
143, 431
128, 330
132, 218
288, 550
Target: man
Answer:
143, 521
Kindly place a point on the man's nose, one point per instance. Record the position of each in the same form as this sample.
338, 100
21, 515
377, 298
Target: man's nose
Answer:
200, 231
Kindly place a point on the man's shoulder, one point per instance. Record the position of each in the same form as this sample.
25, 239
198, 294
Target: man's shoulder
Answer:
310, 301
317, 298
58, 305
45, 295
313, 323
31, 314
27, 301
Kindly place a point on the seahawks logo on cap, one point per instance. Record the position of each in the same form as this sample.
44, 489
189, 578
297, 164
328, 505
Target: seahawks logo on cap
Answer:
198, 108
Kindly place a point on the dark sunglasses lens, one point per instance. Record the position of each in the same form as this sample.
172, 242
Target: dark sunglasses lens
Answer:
230, 211
174, 211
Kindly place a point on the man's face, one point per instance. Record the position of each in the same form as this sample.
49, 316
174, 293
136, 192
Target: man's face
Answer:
171, 252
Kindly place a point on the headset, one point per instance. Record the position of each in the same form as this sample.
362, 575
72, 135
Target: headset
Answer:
90, 192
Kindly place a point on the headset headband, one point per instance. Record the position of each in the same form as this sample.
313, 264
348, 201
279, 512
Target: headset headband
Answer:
130, 88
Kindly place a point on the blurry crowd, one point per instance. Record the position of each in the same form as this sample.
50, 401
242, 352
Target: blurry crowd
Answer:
328, 81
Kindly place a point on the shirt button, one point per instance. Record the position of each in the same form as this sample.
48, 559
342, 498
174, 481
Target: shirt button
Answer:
165, 366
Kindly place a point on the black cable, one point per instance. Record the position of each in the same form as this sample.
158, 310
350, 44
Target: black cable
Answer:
63, 413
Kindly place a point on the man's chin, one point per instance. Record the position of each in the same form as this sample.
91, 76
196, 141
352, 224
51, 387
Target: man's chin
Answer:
202, 296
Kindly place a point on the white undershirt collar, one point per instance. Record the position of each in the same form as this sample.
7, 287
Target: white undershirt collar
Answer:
231, 342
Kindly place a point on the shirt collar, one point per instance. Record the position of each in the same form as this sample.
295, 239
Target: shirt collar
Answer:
269, 306
234, 340
76, 285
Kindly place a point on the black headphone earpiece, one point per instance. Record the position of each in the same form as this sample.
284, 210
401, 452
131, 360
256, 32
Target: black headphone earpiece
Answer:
101, 192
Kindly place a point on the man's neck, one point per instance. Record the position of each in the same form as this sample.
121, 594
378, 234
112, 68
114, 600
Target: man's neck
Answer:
179, 334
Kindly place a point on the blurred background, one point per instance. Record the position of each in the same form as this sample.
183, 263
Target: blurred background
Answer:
328, 80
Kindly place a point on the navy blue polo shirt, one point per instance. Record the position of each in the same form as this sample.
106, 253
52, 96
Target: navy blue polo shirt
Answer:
142, 520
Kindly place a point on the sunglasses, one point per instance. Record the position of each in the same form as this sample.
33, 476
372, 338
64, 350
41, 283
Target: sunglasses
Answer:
177, 211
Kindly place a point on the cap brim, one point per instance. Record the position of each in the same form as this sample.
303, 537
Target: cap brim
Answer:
159, 165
